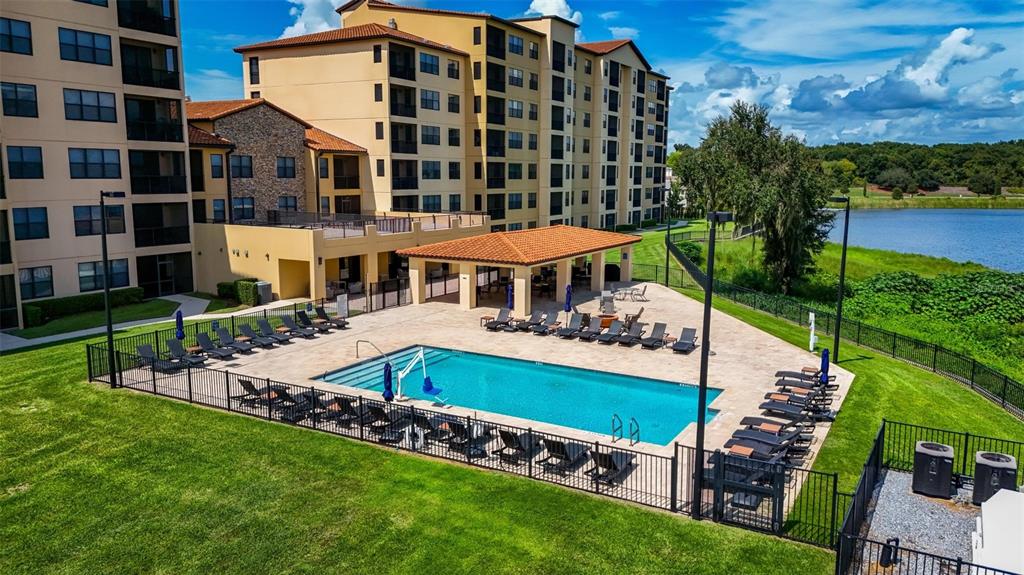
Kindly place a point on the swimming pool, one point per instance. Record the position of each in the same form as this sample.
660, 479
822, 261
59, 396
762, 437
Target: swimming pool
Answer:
568, 396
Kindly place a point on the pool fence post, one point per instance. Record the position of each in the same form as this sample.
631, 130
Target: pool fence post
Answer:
469, 438
361, 411
270, 396
188, 375
227, 389
412, 433
835, 511
674, 501
529, 461
152, 371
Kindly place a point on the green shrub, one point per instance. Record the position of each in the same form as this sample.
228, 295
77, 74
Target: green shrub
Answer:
983, 183
692, 251
247, 294
50, 309
648, 223
625, 228
227, 290
32, 315
897, 193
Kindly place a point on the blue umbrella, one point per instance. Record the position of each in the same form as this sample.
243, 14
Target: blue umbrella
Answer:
388, 394
824, 366
179, 325
510, 302
568, 300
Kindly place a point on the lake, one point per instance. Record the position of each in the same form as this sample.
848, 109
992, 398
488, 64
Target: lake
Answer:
994, 238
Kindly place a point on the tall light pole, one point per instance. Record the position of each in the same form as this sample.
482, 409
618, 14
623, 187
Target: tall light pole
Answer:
842, 277
111, 360
714, 218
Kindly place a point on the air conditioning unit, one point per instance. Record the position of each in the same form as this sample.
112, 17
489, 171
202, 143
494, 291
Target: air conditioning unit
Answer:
992, 472
933, 469
265, 293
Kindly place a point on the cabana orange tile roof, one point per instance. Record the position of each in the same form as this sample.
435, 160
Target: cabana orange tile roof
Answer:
524, 247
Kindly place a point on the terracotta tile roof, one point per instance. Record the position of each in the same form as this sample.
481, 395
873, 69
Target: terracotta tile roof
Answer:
198, 137
607, 46
217, 109
321, 141
392, 6
524, 247
362, 32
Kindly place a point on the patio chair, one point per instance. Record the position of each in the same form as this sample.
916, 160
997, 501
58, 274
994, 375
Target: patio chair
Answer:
562, 457
802, 384
212, 350
253, 395
150, 358
260, 340
516, 448
571, 330
776, 425
592, 330
338, 322
609, 468
687, 341
547, 326
469, 440
431, 427
632, 318
267, 331
639, 294
340, 410
225, 339
385, 424
296, 329
528, 323
614, 331
802, 376
657, 337
305, 322
792, 411
774, 439
179, 354
756, 450
633, 336
304, 407
504, 315
815, 399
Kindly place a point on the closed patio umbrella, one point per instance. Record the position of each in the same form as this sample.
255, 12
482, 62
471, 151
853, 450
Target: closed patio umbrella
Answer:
824, 366
510, 300
179, 325
389, 394
568, 301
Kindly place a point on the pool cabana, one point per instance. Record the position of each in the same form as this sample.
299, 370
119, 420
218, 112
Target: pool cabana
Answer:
522, 251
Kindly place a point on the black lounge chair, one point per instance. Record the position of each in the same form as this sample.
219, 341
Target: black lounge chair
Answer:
614, 331
757, 450
267, 331
281, 400
225, 339
468, 440
687, 341
385, 424
793, 411
813, 399
304, 407
592, 330
774, 439
547, 326
254, 395
154, 362
431, 427
516, 448
526, 324
633, 336
179, 354
609, 468
305, 322
260, 340
657, 337
804, 384
765, 423
563, 457
803, 376
504, 315
573, 329
340, 410
212, 350
338, 322
296, 329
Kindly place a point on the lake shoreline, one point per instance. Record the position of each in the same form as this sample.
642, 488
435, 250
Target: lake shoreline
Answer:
936, 203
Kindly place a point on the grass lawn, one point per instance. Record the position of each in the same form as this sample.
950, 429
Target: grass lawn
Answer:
217, 304
858, 201
153, 308
101, 481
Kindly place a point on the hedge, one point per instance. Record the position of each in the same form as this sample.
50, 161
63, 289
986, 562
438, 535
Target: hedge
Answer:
42, 311
649, 223
227, 290
247, 293
625, 228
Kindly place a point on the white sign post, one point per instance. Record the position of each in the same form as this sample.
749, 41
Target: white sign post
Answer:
343, 305
814, 338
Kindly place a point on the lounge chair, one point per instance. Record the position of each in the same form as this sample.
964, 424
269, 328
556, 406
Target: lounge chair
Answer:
814, 399
562, 457
801, 384
340, 410
657, 337
527, 323
212, 350
592, 330
614, 331
431, 427
179, 354
154, 362
773, 439
547, 326
260, 340
338, 322
803, 376
253, 395
281, 400
516, 448
304, 407
500, 321
609, 468
571, 330
267, 331
759, 450
468, 440
639, 295
305, 322
775, 425
296, 329
385, 424
633, 336
793, 411
225, 339
687, 341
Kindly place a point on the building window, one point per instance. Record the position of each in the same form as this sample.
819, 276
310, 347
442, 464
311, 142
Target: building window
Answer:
430, 100
376, 53
515, 44
453, 69
534, 50
533, 112
476, 138
588, 65
36, 282
531, 201
30, 223
515, 199
89, 106
478, 170
453, 103
454, 170
94, 163
515, 172
454, 203
378, 130
19, 100
218, 211
241, 166
454, 137
532, 141
24, 162
285, 167
430, 64
586, 172
325, 205
476, 35
288, 203
90, 275
254, 70
80, 46
88, 223
15, 36
430, 135
378, 92
432, 203
380, 168
476, 104
431, 170
515, 140
531, 172
515, 77
476, 70
254, 95
515, 109
216, 166
243, 208
323, 168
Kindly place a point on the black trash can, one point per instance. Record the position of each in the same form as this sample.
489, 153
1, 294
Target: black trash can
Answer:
933, 469
992, 472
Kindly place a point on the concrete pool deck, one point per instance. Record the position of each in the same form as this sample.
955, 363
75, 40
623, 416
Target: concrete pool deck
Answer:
743, 363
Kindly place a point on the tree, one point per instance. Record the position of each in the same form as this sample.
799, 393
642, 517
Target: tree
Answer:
983, 183
841, 172
927, 179
897, 193
893, 178
674, 200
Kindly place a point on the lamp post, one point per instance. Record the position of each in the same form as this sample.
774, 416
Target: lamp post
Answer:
111, 360
714, 218
842, 276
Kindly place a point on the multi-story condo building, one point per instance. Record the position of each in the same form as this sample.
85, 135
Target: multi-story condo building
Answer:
469, 111
92, 101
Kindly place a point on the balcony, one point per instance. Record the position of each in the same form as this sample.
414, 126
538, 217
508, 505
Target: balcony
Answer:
405, 183
496, 84
401, 61
161, 236
497, 118
401, 109
146, 16
150, 76
403, 146
556, 179
496, 213
496, 151
496, 183
154, 131
346, 182
402, 71
158, 184
609, 180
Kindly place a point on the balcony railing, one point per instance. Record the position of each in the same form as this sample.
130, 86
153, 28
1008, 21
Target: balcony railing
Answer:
496, 84
609, 180
149, 76
495, 118
495, 151
403, 147
400, 109
161, 236
346, 182
154, 131
402, 71
496, 213
139, 16
556, 182
405, 183
158, 184
495, 183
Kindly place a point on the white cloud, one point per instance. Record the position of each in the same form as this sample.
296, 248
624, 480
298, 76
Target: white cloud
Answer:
210, 84
954, 49
623, 32
610, 15
555, 8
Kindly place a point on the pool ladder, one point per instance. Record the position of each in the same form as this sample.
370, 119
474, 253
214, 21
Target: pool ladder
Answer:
634, 429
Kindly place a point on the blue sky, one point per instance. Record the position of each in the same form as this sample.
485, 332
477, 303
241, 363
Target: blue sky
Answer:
829, 70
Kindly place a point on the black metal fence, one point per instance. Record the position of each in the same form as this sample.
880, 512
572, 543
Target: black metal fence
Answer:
900, 439
868, 557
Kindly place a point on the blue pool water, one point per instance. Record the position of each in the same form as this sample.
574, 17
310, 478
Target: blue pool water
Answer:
572, 397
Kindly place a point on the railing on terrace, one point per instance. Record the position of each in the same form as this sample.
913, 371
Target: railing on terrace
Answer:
354, 225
